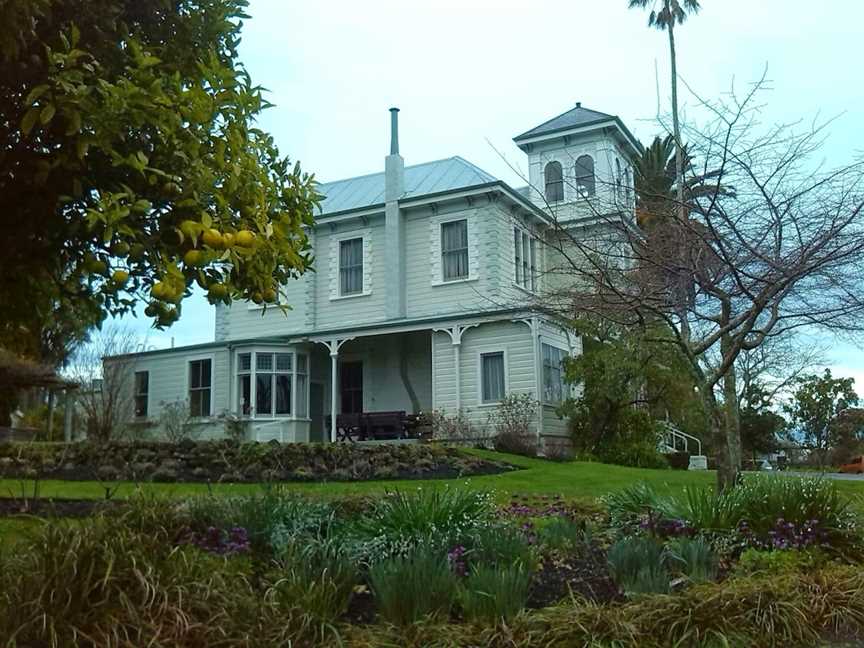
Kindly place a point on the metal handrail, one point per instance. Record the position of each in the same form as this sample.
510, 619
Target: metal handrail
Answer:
675, 432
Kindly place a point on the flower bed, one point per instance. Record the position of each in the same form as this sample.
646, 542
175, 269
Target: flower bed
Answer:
450, 564
229, 461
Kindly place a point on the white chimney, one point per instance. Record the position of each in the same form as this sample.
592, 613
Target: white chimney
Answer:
394, 224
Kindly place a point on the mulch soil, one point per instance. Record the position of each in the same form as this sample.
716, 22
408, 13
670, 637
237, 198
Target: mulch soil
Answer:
581, 575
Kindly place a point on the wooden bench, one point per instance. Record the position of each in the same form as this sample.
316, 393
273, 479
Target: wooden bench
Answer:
369, 426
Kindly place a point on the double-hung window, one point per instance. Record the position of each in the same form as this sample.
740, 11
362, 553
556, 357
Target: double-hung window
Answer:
525, 259
351, 266
244, 383
492, 383
273, 383
200, 386
553, 373
302, 384
142, 391
454, 250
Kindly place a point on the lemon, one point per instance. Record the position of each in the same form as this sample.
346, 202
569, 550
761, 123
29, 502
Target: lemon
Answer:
217, 291
213, 238
244, 238
269, 295
193, 258
120, 277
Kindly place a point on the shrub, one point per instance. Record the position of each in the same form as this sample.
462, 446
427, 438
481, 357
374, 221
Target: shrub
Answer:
499, 545
414, 586
760, 561
114, 581
638, 565
174, 421
491, 594
268, 518
564, 534
454, 428
512, 420
436, 519
694, 557
317, 576
769, 510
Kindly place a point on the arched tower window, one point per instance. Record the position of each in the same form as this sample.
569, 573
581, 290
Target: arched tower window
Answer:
585, 175
617, 177
554, 182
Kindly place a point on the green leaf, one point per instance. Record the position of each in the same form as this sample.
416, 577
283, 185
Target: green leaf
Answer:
74, 123
35, 93
206, 221
47, 113
29, 120
81, 147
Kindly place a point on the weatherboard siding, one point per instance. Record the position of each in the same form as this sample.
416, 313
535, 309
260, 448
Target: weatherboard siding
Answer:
244, 320
168, 379
513, 338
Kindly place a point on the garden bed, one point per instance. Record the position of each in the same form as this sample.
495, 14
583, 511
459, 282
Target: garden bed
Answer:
233, 462
54, 507
780, 557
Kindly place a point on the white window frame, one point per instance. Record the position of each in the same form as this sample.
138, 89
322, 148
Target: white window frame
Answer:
565, 354
211, 357
335, 271
530, 261
491, 351
467, 250
254, 352
339, 269
436, 252
136, 395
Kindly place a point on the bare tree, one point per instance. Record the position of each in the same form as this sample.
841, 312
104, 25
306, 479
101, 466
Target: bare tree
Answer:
770, 243
772, 368
106, 392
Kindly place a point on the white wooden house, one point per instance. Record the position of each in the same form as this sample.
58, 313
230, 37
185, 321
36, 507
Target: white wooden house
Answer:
423, 295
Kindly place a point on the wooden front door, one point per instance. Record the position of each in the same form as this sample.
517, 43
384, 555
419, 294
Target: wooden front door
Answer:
316, 411
351, 387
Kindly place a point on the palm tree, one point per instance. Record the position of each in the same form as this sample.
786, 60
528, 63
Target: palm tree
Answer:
665, 14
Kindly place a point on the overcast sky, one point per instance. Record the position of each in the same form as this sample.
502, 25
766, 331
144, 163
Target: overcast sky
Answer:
469, 75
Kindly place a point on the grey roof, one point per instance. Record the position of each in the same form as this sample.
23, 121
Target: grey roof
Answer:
420, 179
573, 118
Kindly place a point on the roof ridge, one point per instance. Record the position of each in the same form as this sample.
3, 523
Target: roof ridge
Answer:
410, 166
577, 107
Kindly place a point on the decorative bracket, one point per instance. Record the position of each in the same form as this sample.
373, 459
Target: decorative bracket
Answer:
455, 332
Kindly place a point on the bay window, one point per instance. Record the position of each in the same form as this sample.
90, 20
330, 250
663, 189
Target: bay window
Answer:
272, 382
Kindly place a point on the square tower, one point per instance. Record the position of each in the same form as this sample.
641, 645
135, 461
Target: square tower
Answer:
581, 165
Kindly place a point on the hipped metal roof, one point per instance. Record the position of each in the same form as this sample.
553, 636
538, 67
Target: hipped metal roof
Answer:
420, 179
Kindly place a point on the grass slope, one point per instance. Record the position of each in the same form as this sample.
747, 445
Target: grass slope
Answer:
570, 479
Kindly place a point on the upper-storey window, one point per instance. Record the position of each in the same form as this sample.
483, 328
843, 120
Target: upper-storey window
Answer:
454, 250
525, 259
585, 184
618, 178
351, 266
554, 182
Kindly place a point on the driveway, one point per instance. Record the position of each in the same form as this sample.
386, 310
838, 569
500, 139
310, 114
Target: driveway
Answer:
826, 475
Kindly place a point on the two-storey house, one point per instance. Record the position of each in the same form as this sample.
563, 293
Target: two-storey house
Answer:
424, 295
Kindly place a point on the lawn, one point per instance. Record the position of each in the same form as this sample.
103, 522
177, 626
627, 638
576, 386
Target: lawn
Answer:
537, 476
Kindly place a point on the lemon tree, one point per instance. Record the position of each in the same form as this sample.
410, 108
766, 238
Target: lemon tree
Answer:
131, 167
